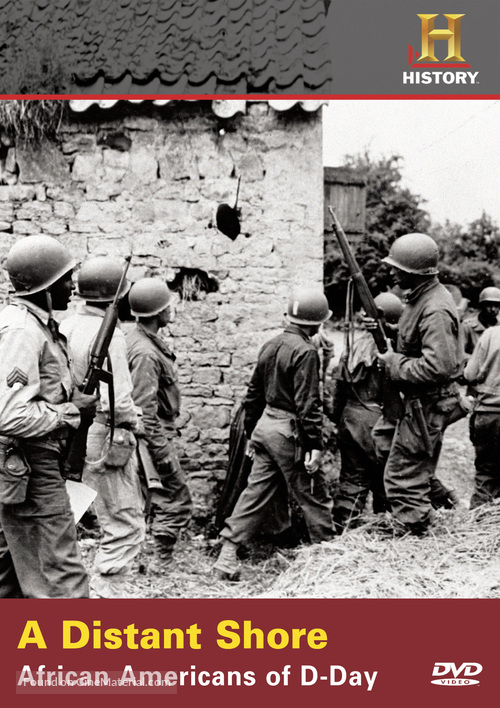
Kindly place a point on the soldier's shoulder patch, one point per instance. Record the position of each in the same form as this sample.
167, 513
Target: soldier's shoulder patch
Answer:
17, 375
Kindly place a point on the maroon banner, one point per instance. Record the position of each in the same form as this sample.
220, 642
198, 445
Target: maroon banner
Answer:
247, 653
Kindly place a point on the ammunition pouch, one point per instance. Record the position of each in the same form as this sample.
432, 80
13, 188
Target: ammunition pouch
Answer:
14, 474
454, 407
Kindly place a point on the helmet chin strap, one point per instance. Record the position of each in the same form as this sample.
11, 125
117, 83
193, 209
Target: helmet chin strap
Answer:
48, 298
52, 322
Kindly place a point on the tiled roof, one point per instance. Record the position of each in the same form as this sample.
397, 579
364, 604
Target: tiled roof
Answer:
176, 46
221, 108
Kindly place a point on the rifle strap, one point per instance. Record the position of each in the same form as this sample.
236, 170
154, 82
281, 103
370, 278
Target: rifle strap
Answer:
111, 394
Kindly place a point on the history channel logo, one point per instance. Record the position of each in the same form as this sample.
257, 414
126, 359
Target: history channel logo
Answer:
452, 69
452, 675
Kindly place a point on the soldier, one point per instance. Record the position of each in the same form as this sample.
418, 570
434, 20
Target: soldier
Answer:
426, 365
460, 301
356, 408
110, 470
156, 391
39, 555
483, 370
283, 418
489, 307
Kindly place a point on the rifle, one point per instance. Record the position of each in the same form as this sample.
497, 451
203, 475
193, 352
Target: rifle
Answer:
392, 404
151, 476
77, 446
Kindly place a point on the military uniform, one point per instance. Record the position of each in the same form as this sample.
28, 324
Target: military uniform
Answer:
473, 329
283, 418
156, 391
119, 503
39, 556
429, 358
357, 394
483, 370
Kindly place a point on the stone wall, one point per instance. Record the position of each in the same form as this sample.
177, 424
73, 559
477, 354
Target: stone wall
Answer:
149, 179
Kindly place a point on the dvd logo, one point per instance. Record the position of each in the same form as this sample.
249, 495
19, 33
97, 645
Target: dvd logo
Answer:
467, 669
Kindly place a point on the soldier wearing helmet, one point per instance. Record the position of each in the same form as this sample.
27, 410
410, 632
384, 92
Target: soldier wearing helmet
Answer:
156, 391
426, 364
482, 343
283, 418
489, 307
483, 372
39, 406
109, 469
356, 408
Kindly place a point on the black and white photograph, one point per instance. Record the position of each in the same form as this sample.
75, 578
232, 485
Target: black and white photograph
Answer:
264, 414
249, 353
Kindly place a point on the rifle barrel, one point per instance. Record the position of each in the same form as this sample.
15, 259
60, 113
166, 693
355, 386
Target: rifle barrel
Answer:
391, 404
360, 282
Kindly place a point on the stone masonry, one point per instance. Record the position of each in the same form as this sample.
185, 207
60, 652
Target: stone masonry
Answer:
148, 179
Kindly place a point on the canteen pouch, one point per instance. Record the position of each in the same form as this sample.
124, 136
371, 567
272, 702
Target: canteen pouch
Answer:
121, 449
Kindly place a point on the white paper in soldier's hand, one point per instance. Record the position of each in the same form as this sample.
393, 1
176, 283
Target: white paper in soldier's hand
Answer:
81, 497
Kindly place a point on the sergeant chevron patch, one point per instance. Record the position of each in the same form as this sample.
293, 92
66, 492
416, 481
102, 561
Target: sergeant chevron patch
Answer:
17, 376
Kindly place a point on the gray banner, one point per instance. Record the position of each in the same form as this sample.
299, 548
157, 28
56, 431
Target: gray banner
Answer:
370, 41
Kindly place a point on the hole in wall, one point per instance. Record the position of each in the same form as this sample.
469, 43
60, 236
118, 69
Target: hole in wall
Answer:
115, 141
192, 283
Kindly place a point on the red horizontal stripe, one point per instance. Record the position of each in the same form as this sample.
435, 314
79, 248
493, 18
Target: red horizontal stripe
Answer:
442, 66
250, 97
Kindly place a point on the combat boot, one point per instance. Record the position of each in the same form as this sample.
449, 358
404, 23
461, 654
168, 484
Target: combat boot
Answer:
117, 585
226, 566
165, 547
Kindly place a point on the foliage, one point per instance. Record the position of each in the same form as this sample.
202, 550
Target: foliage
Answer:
391, 211
471, 277
479, 242
31, 120
469, 255
37, 68
192, 284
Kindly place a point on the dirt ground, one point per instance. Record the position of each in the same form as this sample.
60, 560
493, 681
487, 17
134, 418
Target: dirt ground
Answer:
266, 568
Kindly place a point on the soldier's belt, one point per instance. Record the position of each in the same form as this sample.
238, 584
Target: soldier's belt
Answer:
58, 435
279, 412
430, 394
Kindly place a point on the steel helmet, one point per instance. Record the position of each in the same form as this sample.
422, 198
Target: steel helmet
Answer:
414, 253
35, 263
99, 278
490, 294
391, 306
308, 306
149, 297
